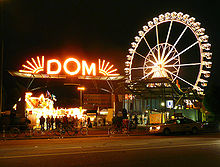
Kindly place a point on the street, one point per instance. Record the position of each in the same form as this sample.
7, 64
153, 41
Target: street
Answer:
180, 150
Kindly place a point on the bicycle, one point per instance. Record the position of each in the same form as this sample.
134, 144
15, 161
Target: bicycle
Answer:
14, 131
83, 130
37, 132
63, 131
119, 129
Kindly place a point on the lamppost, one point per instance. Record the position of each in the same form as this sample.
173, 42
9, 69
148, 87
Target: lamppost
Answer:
81, 89
1, 57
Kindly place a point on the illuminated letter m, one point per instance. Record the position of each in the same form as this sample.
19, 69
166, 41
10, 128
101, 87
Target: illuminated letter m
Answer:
90, 70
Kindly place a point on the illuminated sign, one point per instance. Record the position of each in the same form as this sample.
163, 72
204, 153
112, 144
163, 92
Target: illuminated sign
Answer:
169, 104
71, 66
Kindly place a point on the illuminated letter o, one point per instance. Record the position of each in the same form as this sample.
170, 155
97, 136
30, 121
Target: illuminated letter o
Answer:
71, 72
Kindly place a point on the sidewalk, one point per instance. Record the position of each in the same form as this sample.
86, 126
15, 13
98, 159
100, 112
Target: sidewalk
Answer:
99, 132
92, 132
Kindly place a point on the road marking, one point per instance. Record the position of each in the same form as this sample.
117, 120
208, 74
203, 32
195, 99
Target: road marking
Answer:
103, 151
39, 148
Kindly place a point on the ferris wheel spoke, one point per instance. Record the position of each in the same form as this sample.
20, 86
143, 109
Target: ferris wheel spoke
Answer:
141, 68
181, 52
179, 65
179, 78
158, 46
168, 35
150, 61
144, 57
139, 54
175, 43
175, 68
148, 74
150, 49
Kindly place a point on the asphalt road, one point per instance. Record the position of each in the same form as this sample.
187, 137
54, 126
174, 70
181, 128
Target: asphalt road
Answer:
179, 151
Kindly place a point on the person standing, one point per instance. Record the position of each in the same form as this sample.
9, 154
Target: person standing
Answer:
42, 121
52, 122
76, 121
104, 121
65, 121
135, 121
70, 119
48, 122
57, 122
89, 122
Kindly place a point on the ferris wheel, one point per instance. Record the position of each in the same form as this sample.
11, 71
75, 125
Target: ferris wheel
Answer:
174, 46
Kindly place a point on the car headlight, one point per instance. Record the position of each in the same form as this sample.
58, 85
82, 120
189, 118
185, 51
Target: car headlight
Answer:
158, 127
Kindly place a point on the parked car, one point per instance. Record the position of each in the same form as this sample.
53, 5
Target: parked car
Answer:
176, 125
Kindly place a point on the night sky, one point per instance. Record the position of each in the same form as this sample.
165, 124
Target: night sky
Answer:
92, 29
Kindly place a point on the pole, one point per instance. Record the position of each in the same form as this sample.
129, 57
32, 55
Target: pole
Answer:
2, 53
81, 98
1, 78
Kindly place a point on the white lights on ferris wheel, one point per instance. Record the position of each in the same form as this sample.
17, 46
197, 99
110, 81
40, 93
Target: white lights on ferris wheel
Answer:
204, 38
164, 59
128, 57
207, 55
185, 17
200, 31
196, 25
150, 24
208, 64
191, 21
199, 89
131, 51
203, 82
155, 20
173, 15
127, 63
127, 81
137, 39
141, 33
206, 46
133, 44
161, 17
180, 16
127, 70
206, 73
145, 28
167, 16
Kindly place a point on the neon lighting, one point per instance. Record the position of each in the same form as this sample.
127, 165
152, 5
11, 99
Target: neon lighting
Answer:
105, 69
81, 88
90, 70
44, 106
52, 61
33, 67
66, 64
54, 67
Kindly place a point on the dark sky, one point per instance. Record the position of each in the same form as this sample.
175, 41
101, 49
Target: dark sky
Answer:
91, 28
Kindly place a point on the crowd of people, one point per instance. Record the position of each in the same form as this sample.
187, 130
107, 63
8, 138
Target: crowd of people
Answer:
121, 120
58, 121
